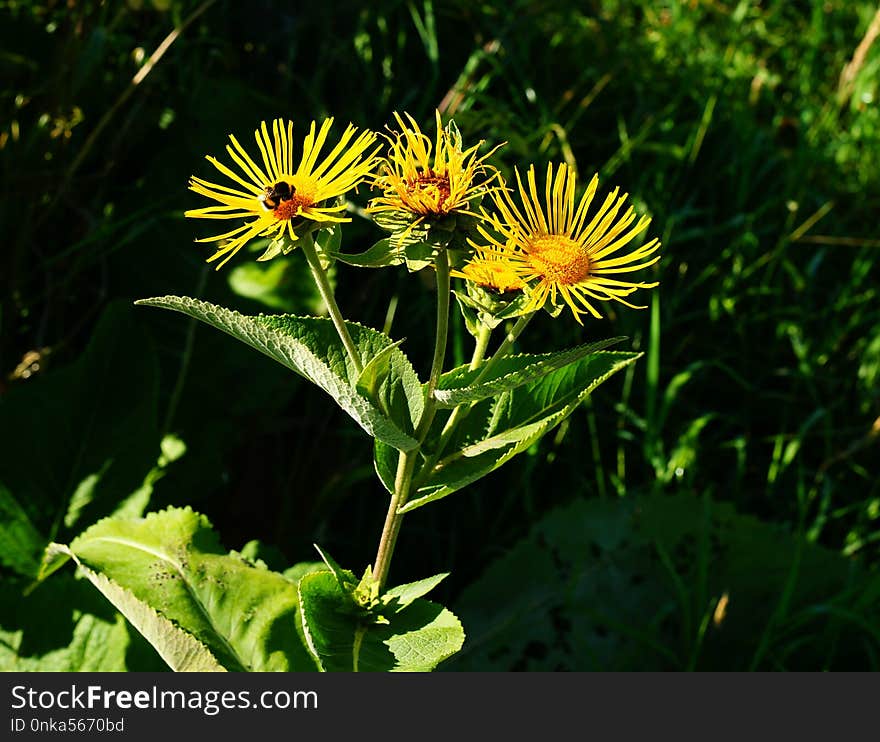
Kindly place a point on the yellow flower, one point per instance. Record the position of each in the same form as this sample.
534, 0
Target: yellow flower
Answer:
553, 248
431, 179
278, 195
493, 273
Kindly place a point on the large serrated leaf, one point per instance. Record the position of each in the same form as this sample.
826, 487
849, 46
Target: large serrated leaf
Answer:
172, 562
418, 635
464, 385
499, 428
66, 626
311, 347
180, 650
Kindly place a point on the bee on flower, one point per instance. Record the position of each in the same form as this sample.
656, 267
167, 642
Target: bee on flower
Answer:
550, 246
278, 196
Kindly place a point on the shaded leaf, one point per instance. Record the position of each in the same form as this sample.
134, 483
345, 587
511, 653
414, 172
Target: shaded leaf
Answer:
588, 590
66, 626
20, 542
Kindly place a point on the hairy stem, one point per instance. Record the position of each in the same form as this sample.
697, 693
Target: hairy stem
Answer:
406, 461
307, 244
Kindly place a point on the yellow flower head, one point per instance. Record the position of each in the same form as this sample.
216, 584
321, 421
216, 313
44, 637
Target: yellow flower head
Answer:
554, 249
431, 179
278, 195
493, 273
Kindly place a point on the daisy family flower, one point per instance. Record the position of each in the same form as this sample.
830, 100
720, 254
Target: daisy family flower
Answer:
492, 272
431, 179
279, 196
550, 245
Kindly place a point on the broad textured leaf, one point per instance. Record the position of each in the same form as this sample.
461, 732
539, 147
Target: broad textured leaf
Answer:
460, 386
180, 650
499, 428
311, 347
247, 616
65, 625
418, 636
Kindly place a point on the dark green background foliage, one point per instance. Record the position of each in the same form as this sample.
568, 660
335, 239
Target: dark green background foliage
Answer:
739, 457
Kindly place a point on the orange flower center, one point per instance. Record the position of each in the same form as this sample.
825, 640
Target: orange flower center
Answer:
290, 209
432, 186
284, 199
559, 259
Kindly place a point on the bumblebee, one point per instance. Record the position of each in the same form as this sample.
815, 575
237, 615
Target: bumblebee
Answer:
272, 197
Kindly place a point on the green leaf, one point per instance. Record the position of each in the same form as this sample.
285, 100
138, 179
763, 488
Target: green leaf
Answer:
20, 542
299, 570
180, 650
499, 428
345, 577
377, 372
402, 595
172, 563
459, 386
63, 626
383, 253
420, 255
469, 314
385, 463
274, 249
311, 347
343, 638
588, 590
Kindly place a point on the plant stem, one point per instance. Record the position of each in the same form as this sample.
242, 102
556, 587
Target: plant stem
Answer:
507, 345
307, 244
480, 347
461, 411
406, 461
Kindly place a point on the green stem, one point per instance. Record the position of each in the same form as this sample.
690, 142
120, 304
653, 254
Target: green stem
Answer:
406, 461
461, 411
480, 347
307, 244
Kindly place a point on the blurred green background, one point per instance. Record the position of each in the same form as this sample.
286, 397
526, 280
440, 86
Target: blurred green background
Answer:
716, 508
